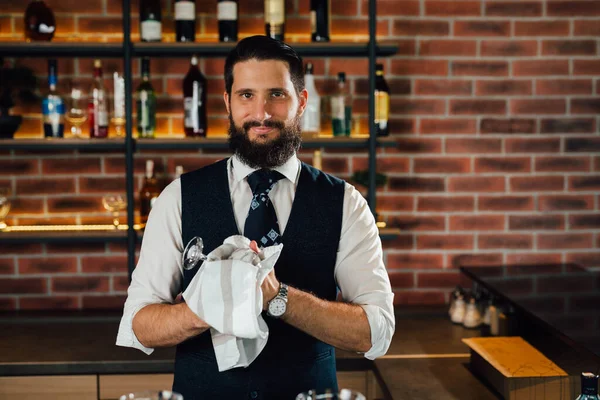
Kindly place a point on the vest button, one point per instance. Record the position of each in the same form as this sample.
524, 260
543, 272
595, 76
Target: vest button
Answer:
254, 394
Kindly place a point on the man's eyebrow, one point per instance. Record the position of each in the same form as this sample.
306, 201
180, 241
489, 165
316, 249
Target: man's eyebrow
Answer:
244, 90
278, 90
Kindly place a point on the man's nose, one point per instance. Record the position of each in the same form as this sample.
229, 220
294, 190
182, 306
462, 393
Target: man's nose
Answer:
261, 110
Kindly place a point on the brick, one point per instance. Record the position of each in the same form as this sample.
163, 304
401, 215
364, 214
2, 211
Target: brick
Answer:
341, 27
20, 248
597, 164
96, 24
400, 242
584, 303
586, 28
448, 126
6, 25
7, 266
542, 28
103, 302
67, 166
78, 284
503, 164
536, 222
570, 125
482, 28
54, 265
399, 126
394, 203
390, 8
447, 47
573, 8
586, 260
476, 107
453, 8
582, 145
418, 67
586, 67
438, 279
75, 204
549, 241
420, 27
563, 86
417, 146
505, 203
23, 285
508, 126
53, 220
416, 184
22, 205
445, 242
562, 164
442, 165
402, 280
533, 145
532, 258
538, 106
19, 167
584, 182
44, 186
509, 48
537, 183
8, 304
390, 164
420, 298
420, 223
65, 65
442, 87
480, 68
477, 223
514, 9
471, 146
565, 203
101, 185
505, 241
49, 303
417, 106
99, 264
120, 283
585, 106
585, 221
397, 86
564, 284
536, 68
475, 260
503, 88
409, 261
445, 204
569, 47
68, 248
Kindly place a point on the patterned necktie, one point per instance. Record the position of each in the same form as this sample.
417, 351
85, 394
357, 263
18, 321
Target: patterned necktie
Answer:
261, 223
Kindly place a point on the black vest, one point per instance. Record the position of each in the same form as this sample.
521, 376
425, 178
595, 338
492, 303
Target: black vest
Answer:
292, 361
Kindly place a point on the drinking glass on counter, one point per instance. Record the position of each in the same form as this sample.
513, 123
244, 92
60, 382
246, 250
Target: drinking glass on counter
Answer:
4, 205
343, 394
114, 204
157, 395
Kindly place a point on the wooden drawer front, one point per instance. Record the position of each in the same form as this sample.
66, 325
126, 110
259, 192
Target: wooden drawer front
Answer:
355, 380
82, 387
113, 386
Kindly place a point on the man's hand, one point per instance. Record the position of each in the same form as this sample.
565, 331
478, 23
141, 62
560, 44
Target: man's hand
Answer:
270, 288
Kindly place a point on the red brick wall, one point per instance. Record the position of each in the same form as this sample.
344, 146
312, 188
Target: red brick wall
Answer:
494, 106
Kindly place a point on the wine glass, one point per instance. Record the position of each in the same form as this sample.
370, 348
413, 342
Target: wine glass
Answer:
193, 253
118, 116
114, 204
155, 395
4, 205
343, 394
76, 115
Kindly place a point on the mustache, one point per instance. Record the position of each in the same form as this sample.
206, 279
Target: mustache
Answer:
266, 124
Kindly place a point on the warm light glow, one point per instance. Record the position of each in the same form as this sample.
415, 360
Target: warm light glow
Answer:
381, 225
66, 228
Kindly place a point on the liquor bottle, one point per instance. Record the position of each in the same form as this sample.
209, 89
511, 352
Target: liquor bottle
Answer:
275, 19
118, 118
146, 104
589, 387
53, 107
320, 20
227, 14
382, 102
97, 107
150, 21
185, 20
311, 119
341, 108
39, 21
149, 192
178, 171
194, 101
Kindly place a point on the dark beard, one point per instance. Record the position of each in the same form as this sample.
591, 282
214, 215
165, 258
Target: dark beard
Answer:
265, 155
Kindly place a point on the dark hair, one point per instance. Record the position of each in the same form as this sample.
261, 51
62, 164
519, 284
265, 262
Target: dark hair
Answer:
263, 48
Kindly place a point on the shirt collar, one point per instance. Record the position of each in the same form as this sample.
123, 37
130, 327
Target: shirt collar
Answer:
289, 169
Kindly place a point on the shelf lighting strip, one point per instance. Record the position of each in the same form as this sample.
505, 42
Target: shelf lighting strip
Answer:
68, 228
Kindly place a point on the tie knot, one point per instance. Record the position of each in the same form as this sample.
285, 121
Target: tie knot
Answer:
263, 180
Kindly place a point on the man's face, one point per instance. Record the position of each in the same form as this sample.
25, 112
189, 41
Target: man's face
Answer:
264, 113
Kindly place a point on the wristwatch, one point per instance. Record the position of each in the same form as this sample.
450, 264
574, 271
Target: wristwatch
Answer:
277, 306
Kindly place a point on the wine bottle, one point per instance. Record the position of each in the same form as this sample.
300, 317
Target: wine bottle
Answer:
194, 101
146, 104
185, 20
53, 107
320, 20
97, 107
382, 102
227, 14
40, 23
118, 118
275, 19
311, 119
589, 387
150, 21
341, 108
149, 192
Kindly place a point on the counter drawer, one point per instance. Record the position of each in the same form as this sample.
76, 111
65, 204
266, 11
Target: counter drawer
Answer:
80, 387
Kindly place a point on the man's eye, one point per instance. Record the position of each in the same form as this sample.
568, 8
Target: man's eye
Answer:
278, 95
246, 95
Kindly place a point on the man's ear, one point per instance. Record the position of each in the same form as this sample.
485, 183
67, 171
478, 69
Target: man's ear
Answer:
226, 100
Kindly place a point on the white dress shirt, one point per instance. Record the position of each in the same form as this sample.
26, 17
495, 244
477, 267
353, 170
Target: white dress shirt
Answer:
359, 270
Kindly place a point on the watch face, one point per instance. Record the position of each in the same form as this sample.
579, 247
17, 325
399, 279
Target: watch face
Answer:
277, 307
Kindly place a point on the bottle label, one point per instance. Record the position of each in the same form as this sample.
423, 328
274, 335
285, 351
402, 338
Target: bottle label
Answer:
382, 107
188, 106
144, 118
151, 30
227, 11
337, 107
119, 101
275, 12
313, 21
185, 11
102, 118
311, 119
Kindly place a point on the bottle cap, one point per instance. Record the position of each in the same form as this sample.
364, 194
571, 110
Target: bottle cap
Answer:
342, 76
149, 168
194, 60
97, 64
589, 383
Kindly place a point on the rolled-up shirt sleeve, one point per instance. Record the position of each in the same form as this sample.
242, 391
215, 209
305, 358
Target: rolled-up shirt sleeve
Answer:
360, 272
158, 274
